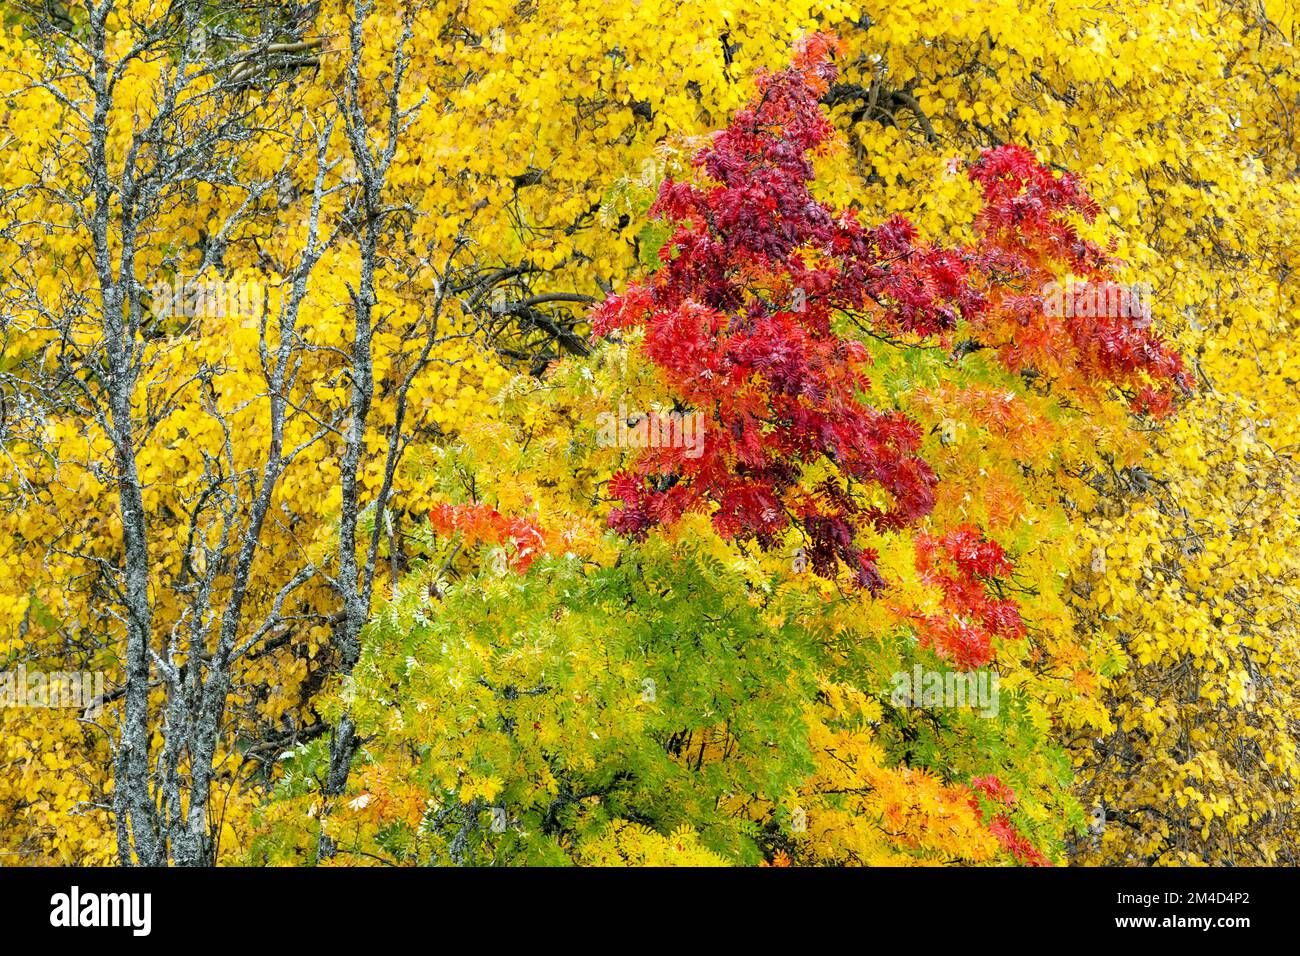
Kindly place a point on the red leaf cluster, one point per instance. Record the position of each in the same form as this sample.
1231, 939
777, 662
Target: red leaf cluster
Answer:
965, 566
481, 524
1012, 840
1028, 238
743, 321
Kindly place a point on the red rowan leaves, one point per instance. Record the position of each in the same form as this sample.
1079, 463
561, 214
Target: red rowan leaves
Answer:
481, 524
993, 788
965, 566
1013, 841
1016, 843
1027, 239
744, 320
